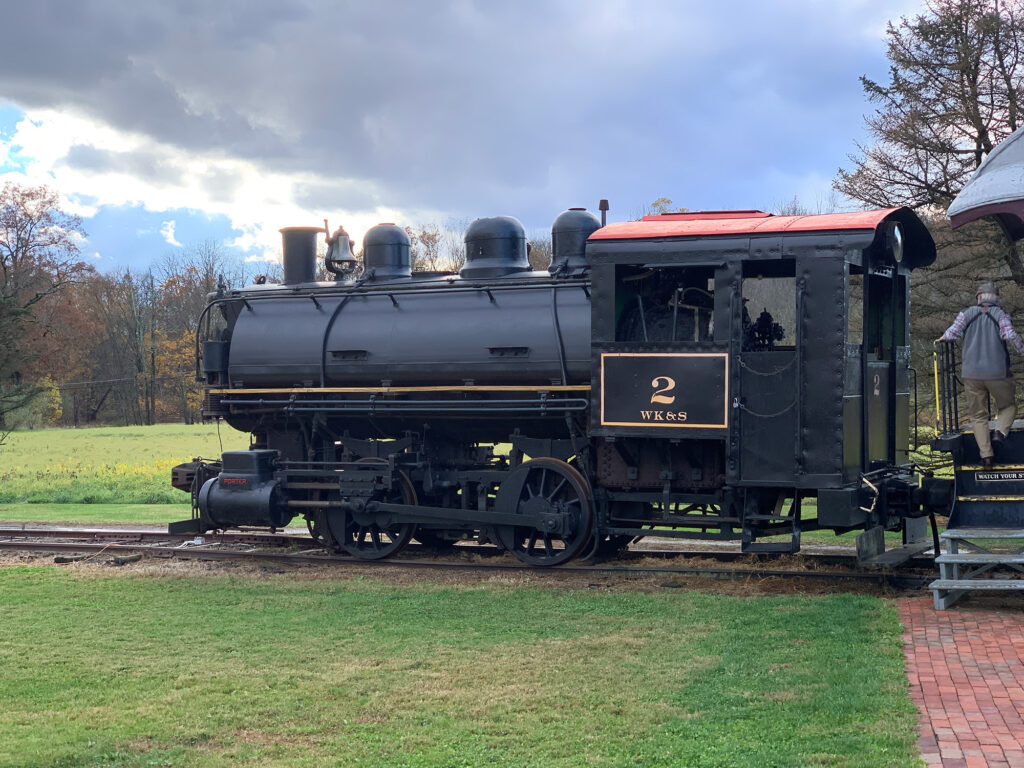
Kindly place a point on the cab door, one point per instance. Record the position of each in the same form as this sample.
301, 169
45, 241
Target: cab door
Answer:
767, 401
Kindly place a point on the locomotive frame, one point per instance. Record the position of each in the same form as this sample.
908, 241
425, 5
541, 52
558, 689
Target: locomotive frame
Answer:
639, 396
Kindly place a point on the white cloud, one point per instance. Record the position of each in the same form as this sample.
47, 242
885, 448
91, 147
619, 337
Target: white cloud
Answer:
262, 258
167, 230
126, 169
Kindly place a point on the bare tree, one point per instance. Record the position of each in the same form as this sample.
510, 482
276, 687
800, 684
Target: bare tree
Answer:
955, 92
425, 250
38, 244
540, 249
823, 203
660, 206
188, 275
38, 258
437, 247
453, 244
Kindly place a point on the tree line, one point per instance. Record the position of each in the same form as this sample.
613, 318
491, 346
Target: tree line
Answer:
78, 346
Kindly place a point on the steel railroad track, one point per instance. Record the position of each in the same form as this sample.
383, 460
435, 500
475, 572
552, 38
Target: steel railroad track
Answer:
223, 546
680, 548
260, 538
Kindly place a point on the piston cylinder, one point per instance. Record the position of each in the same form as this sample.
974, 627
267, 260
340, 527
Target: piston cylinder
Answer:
244, 493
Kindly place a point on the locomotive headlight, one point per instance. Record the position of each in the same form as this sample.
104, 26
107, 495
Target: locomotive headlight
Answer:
895, 242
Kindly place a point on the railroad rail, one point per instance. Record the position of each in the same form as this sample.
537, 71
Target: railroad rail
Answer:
224, 546
261, 538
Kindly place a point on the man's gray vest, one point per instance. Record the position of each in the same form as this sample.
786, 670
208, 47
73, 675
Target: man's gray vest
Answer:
985, 353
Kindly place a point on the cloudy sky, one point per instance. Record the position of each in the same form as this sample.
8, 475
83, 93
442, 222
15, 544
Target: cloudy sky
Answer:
167, 123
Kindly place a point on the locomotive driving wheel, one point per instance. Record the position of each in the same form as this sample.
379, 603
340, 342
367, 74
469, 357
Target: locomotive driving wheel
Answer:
365, 534
317, 526
559, 495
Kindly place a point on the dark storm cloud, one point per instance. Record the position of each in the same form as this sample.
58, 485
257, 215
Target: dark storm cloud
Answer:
144, 166
468, 107
347, 196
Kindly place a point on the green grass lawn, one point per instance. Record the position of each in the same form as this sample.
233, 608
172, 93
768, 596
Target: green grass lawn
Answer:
141, 514
105, 465
148, 670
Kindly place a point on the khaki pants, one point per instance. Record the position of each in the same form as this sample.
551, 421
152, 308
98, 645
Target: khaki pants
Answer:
1002, 391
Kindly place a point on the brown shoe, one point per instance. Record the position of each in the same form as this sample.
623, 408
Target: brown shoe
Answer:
987, 462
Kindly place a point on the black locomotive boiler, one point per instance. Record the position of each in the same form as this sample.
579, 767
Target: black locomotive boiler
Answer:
699, 375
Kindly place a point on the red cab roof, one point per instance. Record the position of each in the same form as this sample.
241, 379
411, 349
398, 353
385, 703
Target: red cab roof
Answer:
709, 223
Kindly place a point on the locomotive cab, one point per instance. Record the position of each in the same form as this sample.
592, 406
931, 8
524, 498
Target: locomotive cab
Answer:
744, 363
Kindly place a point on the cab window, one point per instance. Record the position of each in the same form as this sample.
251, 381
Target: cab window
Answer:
769, 306
664, 303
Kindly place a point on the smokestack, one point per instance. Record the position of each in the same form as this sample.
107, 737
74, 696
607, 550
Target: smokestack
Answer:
299, 254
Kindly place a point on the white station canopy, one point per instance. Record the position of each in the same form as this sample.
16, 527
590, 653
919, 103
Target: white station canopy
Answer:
996, 189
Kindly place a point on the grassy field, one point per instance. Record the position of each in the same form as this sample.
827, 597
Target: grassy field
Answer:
154, 670
105, 465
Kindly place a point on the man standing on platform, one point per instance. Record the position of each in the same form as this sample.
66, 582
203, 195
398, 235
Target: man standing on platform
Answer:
985, 329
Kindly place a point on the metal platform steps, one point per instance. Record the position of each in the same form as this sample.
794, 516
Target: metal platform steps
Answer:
780, 521
978, 569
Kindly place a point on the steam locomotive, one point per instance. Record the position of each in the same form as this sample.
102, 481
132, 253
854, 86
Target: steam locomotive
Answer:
704, 375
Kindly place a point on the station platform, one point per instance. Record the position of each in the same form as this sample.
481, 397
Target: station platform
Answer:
966, 674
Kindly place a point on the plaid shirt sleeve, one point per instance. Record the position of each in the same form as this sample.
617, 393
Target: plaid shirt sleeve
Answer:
956, 330
1008, 333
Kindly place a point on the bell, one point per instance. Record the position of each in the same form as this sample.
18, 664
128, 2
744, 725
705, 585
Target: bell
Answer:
341, 258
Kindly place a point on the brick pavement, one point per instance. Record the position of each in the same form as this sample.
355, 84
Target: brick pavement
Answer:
966, 670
